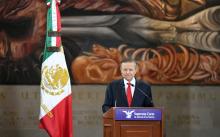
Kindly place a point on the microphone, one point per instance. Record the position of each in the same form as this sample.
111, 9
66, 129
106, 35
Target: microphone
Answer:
144, 94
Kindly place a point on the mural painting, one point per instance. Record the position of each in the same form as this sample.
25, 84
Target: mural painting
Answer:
173, 41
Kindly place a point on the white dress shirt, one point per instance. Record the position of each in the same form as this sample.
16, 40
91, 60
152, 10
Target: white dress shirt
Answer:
133, 81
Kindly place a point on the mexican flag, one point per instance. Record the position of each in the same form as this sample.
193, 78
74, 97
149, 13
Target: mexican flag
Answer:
56, 96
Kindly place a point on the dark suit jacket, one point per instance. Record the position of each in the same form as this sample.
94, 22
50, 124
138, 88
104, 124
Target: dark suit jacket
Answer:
115, 95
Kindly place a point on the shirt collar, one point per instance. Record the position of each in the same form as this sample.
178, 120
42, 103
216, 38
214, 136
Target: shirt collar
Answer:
132, 81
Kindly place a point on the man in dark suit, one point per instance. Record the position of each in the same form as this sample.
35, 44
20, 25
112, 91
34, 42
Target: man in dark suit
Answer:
127, 92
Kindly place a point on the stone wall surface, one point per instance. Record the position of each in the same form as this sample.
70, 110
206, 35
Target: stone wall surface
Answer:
190, 111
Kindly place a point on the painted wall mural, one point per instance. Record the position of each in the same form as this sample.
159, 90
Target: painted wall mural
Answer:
173, 41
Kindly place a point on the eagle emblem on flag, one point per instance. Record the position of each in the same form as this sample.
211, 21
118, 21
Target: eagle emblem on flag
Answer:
54, 78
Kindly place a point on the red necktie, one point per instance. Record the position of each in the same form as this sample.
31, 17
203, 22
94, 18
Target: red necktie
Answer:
129, 96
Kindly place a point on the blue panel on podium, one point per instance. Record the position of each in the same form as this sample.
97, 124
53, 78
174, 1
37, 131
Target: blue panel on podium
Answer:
138, 114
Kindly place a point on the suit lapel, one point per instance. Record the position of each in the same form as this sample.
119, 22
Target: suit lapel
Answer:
136, 96
123, 99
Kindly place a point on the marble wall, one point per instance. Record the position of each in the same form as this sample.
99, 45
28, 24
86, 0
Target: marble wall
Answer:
190, 111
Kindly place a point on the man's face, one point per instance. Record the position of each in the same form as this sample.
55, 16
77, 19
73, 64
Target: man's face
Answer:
128, 70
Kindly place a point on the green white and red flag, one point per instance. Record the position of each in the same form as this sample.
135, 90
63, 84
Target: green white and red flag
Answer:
53, 23
56, 96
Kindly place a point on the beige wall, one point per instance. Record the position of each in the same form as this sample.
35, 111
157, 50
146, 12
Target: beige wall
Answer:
190, 111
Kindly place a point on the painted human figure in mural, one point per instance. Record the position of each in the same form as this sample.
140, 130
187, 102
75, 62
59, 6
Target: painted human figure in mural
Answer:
21, 50
169, 63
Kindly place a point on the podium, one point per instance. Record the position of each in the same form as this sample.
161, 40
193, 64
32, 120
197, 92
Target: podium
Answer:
133, 122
